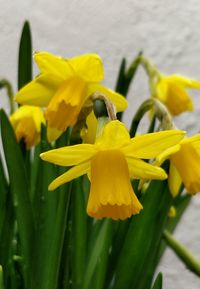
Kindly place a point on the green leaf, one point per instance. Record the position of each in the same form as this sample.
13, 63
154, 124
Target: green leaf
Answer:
6, 241
25, 56
3, 195
19, 189
79, 222
45, 210
130, 74
117, 244
158, 282
125, 78
121, 77
53, 262
98, 248
99, 280
54, 212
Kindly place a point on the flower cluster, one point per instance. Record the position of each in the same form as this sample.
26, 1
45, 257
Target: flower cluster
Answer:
108, 156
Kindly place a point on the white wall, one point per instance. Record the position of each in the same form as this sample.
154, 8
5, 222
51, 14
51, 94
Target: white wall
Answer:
167, 31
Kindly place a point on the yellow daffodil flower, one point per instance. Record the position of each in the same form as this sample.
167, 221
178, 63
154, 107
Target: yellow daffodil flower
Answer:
26, 122
63, 87
172, 91
185, 166
110, 162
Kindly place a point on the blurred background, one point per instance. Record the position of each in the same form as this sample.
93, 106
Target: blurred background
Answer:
166, 31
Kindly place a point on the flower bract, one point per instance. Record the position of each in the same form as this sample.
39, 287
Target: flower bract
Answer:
110, 163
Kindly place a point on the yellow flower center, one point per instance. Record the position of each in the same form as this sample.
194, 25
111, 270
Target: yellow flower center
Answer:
66, 104
187, 162
111, 193
26, 130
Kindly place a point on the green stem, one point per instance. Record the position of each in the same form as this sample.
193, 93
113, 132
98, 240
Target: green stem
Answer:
132, 70
160, 112
1, 278
144, 107
183, 253
4, 83
151, 70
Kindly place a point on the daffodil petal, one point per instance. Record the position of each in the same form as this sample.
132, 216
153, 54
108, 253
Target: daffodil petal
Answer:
115, 135
166, 154
71, 155
39, 91
38, 117
174, 180
184, 81
88, 134
71, 174
22, 112
194, 140
51, 64
161, 90
119, 101
88, 66
53, 133
151, 145
139, 169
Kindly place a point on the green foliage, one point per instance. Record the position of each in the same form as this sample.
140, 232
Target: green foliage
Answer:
158, 282
25, 56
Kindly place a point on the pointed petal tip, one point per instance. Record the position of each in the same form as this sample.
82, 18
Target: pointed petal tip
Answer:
163, 175
52, 187
43, 156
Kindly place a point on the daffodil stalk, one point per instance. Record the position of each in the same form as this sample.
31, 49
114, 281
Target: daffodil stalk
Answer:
151, 69
183, 253
111, 110
1, 278
4, 83
160, 112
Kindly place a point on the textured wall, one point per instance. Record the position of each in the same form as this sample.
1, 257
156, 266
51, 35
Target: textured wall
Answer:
167, 31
